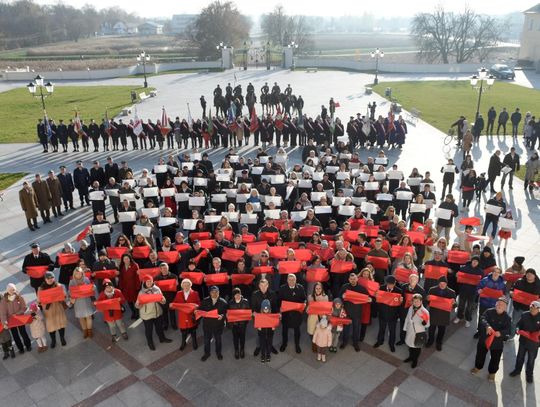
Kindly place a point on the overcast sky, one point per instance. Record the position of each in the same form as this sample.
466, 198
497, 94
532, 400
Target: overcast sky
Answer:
161, 8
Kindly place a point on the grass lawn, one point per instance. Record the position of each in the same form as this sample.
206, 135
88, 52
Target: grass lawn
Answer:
174, 71
6, 179
20, 110
442, 102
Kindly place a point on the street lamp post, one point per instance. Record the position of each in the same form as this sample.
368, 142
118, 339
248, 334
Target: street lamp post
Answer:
220, 47
378, 53
144, 58
293, 45
245, 52
268, 55
38, 84
477, 82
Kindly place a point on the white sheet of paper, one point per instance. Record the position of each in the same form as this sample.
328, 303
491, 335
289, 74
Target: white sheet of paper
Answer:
166, 221
277, 179
505, 223
131, 182
212, 218
232, 216
369, 207
371, 186
348, 192
142, 182
223, 177
506, 169
188, 165
97, 196
346, 210
357, 200
111, 192
219, 198
150, 192
379, 176
305, 183
249, 218
200, 182
308, 168
129, 197
242, 198
172, 169
179, 180
151, 213
272, 213
196, 156
256, 207
101, 229
127, 216
415, 207
167, 192
493, 209
341, 175
332, 169
338, 200
263, 159
275, 199
189, 224
404, 195
234, 158
429, 203
197, 201
413, 182
344, 156
381, 161
364, 177
257, 170
394, 174
143, 230
316, 196
443, 213
449, 168
354, 166
231, 193
160, 169
181, 197
298, 216
323, 209
384, 197
318, 176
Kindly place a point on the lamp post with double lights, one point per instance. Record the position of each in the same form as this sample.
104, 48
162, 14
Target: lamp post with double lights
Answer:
221, 46
293, 45
378, 53
38, 84
268, 55
143, 58
477, 82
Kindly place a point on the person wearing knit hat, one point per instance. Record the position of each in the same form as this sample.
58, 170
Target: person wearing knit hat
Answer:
469, 275
528, 324
12, 303
266, 335
113, 318
238, 328
529, 284
186, 320
439, 319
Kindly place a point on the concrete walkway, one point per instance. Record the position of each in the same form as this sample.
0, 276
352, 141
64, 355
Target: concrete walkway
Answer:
93, 372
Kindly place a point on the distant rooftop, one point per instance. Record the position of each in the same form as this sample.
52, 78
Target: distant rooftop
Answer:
535, 9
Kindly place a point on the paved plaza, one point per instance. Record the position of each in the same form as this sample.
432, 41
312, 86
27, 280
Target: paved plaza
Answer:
94, 372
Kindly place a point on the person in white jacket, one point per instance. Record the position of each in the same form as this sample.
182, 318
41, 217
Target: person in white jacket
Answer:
416, 321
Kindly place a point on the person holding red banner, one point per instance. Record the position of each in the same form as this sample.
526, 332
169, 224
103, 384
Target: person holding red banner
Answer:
128, 282
338, 312
291, 292
37, 327
66, 270
408, 290
354, 312
38, 259
490, 288
55, 314
530, 284
440, 318
152, 312
83, 306
266, 335
322, 338
468, 278
388, 313
186, 320
378, 251
6, 341
213, 327
416, 322
113, 318
11, 304
169, 317
437, 263
103, 263
241, 272
529, 340
494, 329
318, 294
238, 328
514, 272
258, 296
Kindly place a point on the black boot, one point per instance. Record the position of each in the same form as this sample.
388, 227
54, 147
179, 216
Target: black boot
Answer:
12, 353
53, 340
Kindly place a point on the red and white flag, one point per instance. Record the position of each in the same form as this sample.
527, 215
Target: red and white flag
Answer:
254, 121
165, 126
137, 124
78, 125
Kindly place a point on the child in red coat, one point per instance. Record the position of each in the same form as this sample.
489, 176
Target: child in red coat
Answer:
113, 318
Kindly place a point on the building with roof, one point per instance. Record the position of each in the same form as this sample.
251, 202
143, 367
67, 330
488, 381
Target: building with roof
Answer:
530, 37
150, 28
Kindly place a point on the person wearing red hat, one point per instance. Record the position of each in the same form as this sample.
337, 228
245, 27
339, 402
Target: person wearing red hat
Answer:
113, 318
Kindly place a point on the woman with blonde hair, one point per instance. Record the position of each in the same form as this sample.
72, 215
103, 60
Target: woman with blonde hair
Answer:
83, 307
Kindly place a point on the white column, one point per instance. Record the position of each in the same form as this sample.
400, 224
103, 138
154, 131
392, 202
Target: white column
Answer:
288, 57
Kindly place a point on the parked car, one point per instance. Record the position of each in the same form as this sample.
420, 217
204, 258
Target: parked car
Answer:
502, 71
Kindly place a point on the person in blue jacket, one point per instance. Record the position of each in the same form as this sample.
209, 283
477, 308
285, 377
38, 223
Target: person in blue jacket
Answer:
467, 292
494, 281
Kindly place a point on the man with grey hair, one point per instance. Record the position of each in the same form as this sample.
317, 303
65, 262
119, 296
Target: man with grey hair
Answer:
291, 292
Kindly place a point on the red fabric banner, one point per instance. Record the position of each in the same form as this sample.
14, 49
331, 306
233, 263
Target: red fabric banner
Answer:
152, 271
242, 279
292, 245
399, 251
341, 267
149, 298
435, 272
335, 321
67, 258
315, 275
82, 291
207, 314
474, 221
270, 237
83, 234
466, 278
371, 286
248, 238
289, 267
491, 293
116, 252
196, 277
532, 336
239, 315
390, 299
458, 257
209, 244
186, 308
182, 248
170, 285
307, 231
351, 235
112, 304
288, 306
303, 254
19, 320
199, 235
417, 237
141, 252
255, 248
378, 262
402, 274
50, 295
444, 304
262, 270
278, 252
168, 257
512, 277
232, 254
370, 231
320, 308
202, 255
266, 320
360, 252
408, 299
355, 298
103, 274
216, 279
36, 271
490, 339
523, 298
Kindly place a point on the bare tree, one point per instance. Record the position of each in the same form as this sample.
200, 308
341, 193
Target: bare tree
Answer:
282, 29
442, 36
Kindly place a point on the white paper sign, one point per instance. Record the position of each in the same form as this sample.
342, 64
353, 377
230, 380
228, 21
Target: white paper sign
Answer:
318, 176
493, 209
298, 216
277, 179
332, 169
431, 186
443, 213
187, 165
166, 221
415, 207
379, 175
242, 198
181, 197
256, 206
151, 213
272, 213
305, 183
143, 230
341, 175
429, 203
111, 192
263, 159
101, 229
357, 200
234, 158
257, 170
167, 192
371, 186
449, 168
219, 198
275, 199
316, 196
381, 161
189, 224
200, 182
338, 200
129, 197
404, 195
127, 216
323, 209
346, 210
394, 174
505, 223
223, 177
364, 176
413, 182
131, 182
150, 192
160, 169
97, 196
179, 180
212, 218
249, 218
369, 207
384, 197
232, 216
197, 201
506, 169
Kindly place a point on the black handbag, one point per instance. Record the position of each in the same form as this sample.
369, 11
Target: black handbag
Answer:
420, 339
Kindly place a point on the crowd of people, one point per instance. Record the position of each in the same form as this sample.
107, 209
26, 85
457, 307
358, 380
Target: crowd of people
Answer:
345, 242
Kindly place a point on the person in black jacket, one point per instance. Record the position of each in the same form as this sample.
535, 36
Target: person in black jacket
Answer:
238, 328
492, 219
354, 312
258, 296
81, 179
112, 169
467, 292
494, 169
62, 134
530, 323
449, 171
388, 315
503, 119
495, 321
291, 292
66, 183
511, 160
440, 319
529, 284
37, 258
213, 327
492, 115
446, 224
515, 118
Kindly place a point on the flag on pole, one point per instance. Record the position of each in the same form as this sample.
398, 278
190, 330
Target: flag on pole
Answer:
48, 129
190, 118
231, 121
210, 123
107, 124
279, 119
254, 121
137, 124
78, 125
165, 126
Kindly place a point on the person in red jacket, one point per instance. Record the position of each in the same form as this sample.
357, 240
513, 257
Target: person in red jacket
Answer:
128, 281
113, 318
186, 322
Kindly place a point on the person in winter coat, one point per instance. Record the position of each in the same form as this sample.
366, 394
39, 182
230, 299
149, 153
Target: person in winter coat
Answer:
5, 340
56, 193
492, 219
36, 258
532, 166
13, 303
446, 224
467, 143
66, 270
151, 313
55, 314
354, 312
322, 338
266, 335
84, 307
29, 205
493, 281
128, 282
339, 312
318, 294
169, 317
529, 284
238, 328
408, 290
494, 322
416, 321
467, 290
186, 321
388, 315
43, 196
113, 318
37, 327
448, 171
530, 324
494, 169
213, 327
440, 319
291, 292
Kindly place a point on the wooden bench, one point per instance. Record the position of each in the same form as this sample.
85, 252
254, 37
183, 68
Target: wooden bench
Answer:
313, 70
369, 90
143, 96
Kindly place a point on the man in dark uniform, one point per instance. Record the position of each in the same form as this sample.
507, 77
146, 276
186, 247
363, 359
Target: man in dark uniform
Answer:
388, 315
97, 173
62, 134
492, 115
81, 179
354, 312
213, 327
440, 319
111, 169
37, 258
93, 129
66, 183
291, 292
203, 105
42, 135
54, 136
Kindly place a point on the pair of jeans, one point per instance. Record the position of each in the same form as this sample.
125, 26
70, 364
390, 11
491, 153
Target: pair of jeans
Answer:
17, 333
531, 352
465, 307
285, 335
383, 323
355, 328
